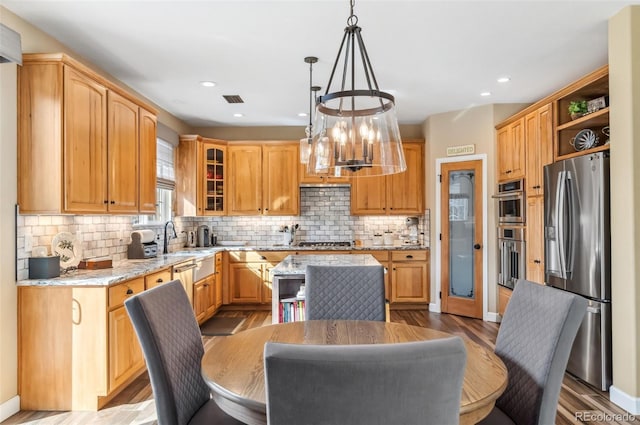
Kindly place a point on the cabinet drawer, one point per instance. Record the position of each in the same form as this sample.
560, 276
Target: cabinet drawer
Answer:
409, 255
158, 278
378, 255
119, 293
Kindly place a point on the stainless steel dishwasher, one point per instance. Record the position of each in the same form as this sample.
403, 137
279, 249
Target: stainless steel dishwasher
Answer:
184, 272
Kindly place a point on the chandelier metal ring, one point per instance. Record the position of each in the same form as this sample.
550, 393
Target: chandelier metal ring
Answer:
337, 112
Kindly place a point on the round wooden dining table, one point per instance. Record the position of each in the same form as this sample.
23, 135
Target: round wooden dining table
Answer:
233, 366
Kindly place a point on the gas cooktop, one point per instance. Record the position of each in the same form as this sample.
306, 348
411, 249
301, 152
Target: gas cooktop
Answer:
323, 244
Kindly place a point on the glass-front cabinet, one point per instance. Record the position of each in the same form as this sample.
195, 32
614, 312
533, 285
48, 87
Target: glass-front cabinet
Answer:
212, 194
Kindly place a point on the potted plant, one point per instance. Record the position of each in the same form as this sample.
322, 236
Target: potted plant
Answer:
577, 108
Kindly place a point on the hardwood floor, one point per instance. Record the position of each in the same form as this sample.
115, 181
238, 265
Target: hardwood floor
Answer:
135, 404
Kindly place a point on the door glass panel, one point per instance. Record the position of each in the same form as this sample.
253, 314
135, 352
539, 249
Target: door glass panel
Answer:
461, 233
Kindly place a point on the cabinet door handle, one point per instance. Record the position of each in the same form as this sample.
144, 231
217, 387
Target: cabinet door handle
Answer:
537, 261
159, 280
266, 209
112, 202
262, 257
129, 291
391, 208
259, 209
408, 256
477, 246
106, 202
205, 285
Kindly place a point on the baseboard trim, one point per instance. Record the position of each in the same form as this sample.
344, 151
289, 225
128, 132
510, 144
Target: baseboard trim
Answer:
629, 403
492, 317
434, 308
9, 408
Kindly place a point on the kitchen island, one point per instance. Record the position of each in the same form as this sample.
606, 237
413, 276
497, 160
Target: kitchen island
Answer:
288, 276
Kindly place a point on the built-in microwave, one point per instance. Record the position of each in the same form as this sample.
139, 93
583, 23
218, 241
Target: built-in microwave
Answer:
511, 202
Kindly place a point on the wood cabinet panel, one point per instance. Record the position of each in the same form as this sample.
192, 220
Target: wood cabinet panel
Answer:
122, 154
245, 282
40, 137
85, 144
401, 193
511, 151
218, 280
504, 295
369, 195
280, 179
158, 278
306, 178
539, 146
409, 282
245, 180
119, 293
535, 239
125, 354
405, 191
147, 151
212, 175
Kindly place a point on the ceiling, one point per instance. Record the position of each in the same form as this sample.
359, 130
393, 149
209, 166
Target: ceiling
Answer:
433, 56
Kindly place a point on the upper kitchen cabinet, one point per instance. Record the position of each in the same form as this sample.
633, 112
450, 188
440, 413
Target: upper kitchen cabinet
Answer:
147, 162
201, 173
587, 133
122, 154
511, 151
263, 178
401, 193
539, 147
319, 179
80, 141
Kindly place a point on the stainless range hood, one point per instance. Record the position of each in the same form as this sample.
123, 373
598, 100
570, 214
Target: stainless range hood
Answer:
10, 45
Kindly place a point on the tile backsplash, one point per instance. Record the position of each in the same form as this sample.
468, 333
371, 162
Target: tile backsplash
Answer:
324, 216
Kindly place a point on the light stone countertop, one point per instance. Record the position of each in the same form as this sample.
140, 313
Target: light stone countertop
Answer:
130, 269
297, 264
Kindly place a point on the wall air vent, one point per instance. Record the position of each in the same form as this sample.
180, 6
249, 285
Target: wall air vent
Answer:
233, 98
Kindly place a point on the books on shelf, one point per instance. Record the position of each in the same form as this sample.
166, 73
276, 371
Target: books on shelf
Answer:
292, 309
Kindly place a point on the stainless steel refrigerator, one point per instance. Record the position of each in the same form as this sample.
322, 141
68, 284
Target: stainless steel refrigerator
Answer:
577, 254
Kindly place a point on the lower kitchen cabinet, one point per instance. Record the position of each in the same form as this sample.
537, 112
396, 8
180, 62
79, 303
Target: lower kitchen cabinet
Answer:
77, 348
219, 279
535, 239
504, 295
409, 277
125, 354
204, 298
250, 275
158, 278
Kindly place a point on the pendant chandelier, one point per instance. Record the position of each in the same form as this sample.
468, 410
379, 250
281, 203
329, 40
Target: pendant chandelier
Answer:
356, 130
305, 143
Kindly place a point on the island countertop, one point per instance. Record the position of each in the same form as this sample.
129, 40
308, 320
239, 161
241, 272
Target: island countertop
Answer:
296, 264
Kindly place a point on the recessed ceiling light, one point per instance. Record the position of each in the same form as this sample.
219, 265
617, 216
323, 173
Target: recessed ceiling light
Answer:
238, 115
485, 93
302, 114
207, 83
504, 79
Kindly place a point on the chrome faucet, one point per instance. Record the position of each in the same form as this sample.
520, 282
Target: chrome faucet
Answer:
167, 237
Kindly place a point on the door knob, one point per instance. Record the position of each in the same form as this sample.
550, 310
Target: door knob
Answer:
477, 246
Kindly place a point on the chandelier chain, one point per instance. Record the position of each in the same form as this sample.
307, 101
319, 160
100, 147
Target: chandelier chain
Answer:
352, 20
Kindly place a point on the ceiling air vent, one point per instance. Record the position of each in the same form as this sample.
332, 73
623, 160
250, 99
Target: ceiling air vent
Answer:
233, 98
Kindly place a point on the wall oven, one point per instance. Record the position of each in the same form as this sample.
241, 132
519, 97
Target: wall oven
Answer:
511, 202
511, 255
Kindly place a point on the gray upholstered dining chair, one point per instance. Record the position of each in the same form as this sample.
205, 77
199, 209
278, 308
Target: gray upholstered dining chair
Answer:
534, 342
345, 292
170, 338
405, 383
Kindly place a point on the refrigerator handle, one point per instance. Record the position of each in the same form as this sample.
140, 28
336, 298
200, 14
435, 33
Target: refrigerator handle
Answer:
568, 244
560, 223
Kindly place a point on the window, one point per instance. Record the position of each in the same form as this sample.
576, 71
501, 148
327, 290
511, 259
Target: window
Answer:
164, 187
